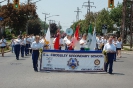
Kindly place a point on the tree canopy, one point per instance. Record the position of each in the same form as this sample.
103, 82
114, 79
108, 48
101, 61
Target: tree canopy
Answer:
97, 19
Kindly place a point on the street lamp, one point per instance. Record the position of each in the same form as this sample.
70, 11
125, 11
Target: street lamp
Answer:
48, 17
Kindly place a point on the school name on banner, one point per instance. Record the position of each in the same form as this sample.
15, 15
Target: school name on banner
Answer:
53, 61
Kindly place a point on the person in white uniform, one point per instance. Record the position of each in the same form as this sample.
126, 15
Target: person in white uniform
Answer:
65, 39
99, 42
83, 42
17, 47
69, 43
118, 47
61, 43
2, 45
110, 51
115, 43
35, 46
23, 44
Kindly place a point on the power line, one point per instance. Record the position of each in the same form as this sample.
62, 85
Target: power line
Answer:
77, 16
88, 6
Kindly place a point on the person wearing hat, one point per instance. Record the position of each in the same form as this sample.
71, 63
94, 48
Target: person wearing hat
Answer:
83, 42
110, 50
17, 47
36, 46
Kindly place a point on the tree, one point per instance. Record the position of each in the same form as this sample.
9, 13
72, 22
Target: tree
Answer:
53, 28
17, 19
34, 27
104, 18
116, 14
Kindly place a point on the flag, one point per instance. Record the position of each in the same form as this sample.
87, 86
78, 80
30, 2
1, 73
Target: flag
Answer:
89, 35
93, 43
56, 43
47, 37
76, 34
76, 37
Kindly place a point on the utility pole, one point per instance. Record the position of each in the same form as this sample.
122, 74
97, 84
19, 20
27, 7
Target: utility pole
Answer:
77, 16
88, 6
8, 1
45, 16
28, 2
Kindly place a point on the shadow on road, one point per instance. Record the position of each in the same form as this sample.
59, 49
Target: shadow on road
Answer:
119, 61
118, 74
22, 59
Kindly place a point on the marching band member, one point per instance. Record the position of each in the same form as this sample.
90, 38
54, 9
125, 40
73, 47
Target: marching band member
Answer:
104, 41
27, 45
115, 43
35, 46
118, 47
12, 44
99, 42
23, 44
2, 45
17, 47
65, 39
61, 43
83, 42
69, 42
110, 50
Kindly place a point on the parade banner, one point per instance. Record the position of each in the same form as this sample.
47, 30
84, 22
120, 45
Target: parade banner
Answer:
72, 61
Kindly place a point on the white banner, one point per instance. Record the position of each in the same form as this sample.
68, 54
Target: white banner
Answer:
91, 62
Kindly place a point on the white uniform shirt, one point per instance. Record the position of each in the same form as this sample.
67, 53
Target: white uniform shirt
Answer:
3, 42
109, 47
32, 39
118, 44
12, 42
17, 41
65, 39
35, 45
99, 42
60, 41
115, 43
28, 40
68, 42
23, 42
104, 41
85, 45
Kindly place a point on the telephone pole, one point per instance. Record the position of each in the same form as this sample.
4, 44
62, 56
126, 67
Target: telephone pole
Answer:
77, 16
89, 6
28, 2
46, 15
8, 1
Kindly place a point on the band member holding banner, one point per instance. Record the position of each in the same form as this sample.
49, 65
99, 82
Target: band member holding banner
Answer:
23, 44
69, 43
61, 43
110, 50
83, 42
35, 46
17, 47
2, 45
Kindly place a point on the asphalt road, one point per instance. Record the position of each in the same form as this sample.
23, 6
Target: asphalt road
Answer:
20, 74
